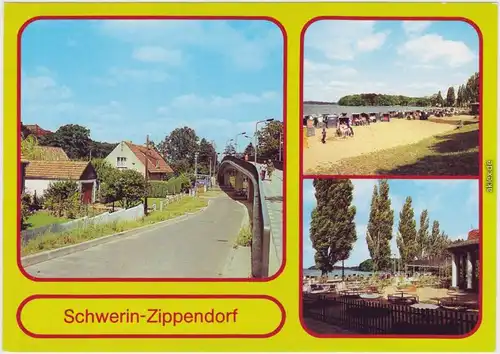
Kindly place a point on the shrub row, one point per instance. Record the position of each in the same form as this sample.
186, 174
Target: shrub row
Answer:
175, 185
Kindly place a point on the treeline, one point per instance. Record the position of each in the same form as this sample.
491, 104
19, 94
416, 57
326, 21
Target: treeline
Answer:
75, 140
375, 99
333, 234
269, 139
466, 94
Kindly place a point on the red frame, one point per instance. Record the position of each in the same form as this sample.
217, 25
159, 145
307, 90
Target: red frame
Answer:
173, 18
149, 296
478, 178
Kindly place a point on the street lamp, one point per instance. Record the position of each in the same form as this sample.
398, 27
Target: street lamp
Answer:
236, 142
255, 134
195, 167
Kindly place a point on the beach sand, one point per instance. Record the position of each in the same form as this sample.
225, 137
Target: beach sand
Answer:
374, 137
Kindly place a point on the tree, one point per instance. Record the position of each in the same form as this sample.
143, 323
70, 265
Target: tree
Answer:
332, 229
450, 97
130, 187
407, 233
105, 172
380, 224
180, 144
249, 150
422, 245
25, 132
206, 156
268, 138
229, 149
366, 266
439, 99
127, 187
72, 138
182, 167
438, 241
101, 149
62, 198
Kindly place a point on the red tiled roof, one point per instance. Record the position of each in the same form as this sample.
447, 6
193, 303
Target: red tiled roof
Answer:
473, 235
36, 130
60, 170
156, 163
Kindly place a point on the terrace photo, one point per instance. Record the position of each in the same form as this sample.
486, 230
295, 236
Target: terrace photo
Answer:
144, 145
391, 257
390, 97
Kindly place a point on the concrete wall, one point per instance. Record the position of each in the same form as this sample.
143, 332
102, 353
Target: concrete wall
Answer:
131, 214
41, 185
132, 163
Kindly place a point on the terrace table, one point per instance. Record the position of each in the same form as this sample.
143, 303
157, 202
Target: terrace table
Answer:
402, 297
455, 303
425, 306
349, 293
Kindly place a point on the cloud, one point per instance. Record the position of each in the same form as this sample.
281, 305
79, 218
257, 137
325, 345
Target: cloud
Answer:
247, 50
116, 75
156, 54
43, 87
432, 48
415, 27
196, 102
344, 40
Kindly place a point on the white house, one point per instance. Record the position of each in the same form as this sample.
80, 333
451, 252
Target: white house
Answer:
40, 174
131, 156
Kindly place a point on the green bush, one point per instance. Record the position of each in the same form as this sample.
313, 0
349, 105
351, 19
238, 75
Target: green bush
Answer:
175, 185
62, 198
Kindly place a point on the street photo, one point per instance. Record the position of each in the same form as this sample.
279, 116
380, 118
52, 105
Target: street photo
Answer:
391, 257
389, 97
151, 149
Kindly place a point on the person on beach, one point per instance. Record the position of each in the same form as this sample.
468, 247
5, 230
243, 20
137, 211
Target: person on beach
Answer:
323, 135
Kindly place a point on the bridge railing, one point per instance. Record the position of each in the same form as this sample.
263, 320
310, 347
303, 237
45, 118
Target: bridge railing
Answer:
261, 230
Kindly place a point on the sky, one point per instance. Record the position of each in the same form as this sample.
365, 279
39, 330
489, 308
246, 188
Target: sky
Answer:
454, 203
124, 79
412, 58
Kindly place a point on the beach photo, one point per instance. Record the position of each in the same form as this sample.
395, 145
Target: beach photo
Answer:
389, 97
391, 257
151, 149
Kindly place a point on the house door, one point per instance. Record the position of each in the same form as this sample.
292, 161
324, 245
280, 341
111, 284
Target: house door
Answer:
87, 192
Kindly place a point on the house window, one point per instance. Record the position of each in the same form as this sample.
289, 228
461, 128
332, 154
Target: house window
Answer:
121, 162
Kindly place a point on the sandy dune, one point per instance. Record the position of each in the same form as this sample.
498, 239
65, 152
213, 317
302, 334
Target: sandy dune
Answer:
377, 136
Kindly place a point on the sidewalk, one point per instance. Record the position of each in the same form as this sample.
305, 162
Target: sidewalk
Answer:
273, 194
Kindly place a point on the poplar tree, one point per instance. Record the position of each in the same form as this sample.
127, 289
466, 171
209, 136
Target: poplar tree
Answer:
407, 233
380, 224
423, 238
332, 229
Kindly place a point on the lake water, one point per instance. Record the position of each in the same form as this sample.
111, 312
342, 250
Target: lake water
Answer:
331, 109
317, 273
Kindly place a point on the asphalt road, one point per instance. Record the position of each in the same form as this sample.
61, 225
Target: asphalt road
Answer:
194, 248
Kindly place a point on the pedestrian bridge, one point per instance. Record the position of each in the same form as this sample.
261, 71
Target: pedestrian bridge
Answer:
266, 247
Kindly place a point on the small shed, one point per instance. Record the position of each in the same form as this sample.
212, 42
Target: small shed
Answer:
40, 174
474, 108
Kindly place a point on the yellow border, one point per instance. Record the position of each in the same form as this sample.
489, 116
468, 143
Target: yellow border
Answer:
285, 288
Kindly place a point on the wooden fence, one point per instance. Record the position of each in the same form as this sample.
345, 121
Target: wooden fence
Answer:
375, 317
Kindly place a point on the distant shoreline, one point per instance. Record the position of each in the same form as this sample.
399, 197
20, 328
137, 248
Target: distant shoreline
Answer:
320, 103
